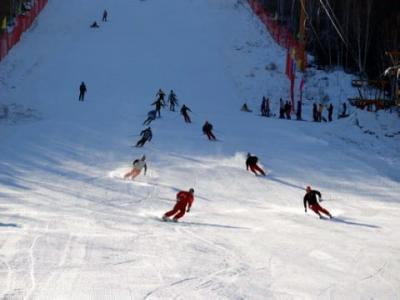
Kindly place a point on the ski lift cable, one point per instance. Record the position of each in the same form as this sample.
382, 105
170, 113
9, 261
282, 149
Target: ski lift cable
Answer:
314, 31
337, 30
333, 23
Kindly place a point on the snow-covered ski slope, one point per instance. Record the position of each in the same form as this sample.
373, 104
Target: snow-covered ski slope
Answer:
71, 228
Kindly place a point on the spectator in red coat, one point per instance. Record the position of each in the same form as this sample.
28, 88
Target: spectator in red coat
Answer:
183, 204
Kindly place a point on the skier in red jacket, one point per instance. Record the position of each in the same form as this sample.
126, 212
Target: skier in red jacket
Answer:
183, 200
311, 198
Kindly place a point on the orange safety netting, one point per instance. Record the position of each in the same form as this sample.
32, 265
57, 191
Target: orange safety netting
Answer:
23, 22
280, 34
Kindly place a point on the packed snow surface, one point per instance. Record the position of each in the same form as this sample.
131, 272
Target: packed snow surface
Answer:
72, 228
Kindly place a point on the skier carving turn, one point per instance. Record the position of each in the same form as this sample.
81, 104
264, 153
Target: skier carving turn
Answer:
184, 201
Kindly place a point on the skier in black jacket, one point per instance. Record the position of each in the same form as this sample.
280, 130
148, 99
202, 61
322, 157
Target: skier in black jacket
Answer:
161, 95
311, 198
172, 100
207, 130
146, 135
151, 116
159, 103
251, 162
184, 113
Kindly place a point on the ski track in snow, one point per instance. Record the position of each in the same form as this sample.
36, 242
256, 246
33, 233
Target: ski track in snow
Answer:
72, 228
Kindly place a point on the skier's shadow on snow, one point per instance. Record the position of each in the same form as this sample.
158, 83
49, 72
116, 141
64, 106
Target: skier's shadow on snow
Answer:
204, 224
344, 221
271, 177
215, 225
9, 225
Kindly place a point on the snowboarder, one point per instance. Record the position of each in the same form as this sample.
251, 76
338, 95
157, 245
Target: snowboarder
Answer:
146, 135
184, 201
207, 129
184, 113
172, 100
94, 25
82, 91
330, 112
311, 198
151, 116
251, 162
105, 15
137, 166
245, 108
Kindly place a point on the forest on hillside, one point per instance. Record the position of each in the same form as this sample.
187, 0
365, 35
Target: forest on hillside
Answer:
351, 33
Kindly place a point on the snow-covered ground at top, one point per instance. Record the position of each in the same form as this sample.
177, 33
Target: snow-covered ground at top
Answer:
72, 228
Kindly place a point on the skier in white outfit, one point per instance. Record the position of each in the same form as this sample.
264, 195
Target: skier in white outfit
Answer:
138, 165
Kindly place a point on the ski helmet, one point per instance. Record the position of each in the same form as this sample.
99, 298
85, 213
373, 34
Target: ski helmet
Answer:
308, 189
191, 190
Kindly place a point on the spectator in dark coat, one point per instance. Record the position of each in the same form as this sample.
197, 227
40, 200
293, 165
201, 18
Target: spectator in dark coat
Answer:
105, 15
330, 112
315, 112
298, 111
281, 109
82, 91
288, 109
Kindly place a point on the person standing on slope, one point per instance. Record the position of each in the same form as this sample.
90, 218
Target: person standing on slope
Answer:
172, 100
311, 198
207, 130
105, 15
137, 166
146, 135
265, 107
82, 91
184, 201
251, 162
315, 112
184, 113
330, 112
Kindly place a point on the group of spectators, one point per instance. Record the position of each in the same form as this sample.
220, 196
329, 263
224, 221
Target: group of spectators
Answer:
286, 110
